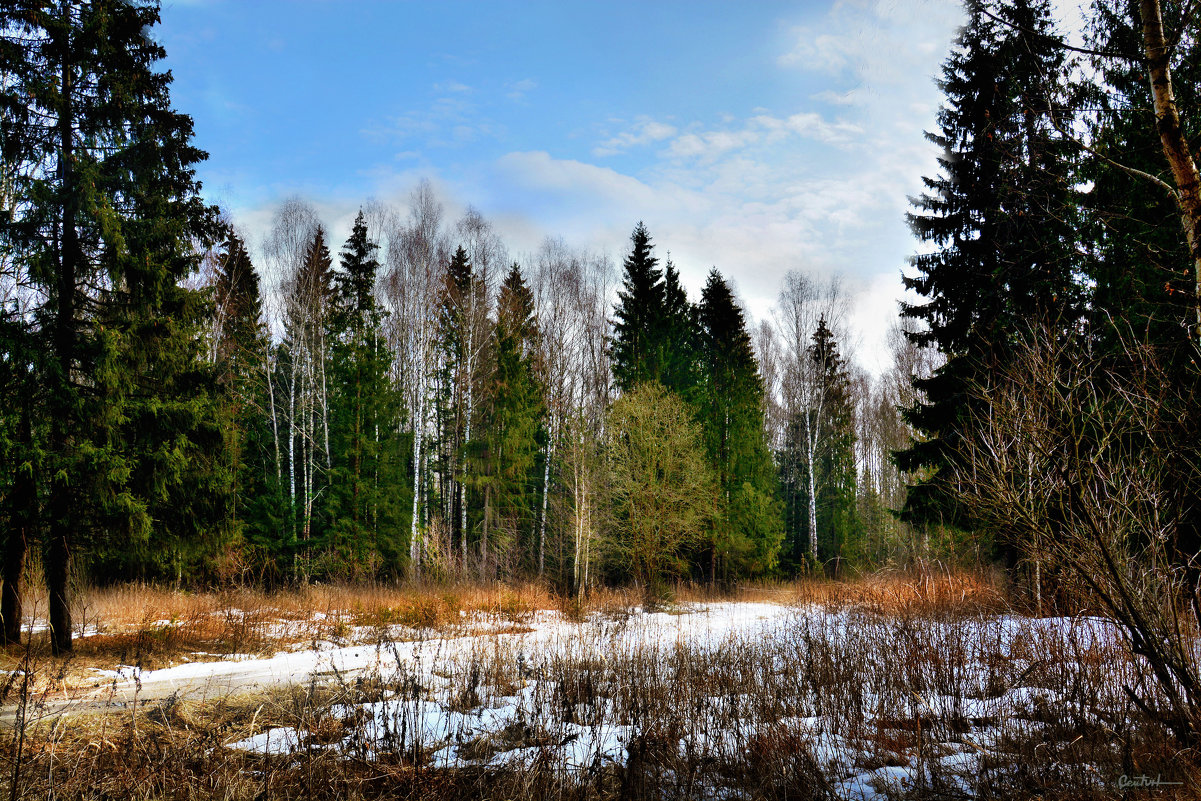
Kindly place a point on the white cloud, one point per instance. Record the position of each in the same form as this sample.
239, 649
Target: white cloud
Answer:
819, 186
876, 42
644, 132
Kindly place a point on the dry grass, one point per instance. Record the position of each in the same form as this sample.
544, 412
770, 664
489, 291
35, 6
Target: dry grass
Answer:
152, 627
887, 671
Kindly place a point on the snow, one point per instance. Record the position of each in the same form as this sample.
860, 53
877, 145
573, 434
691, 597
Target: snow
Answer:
425, 713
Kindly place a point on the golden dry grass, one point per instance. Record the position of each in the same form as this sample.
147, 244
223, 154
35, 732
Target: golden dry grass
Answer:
152, 626
904, 636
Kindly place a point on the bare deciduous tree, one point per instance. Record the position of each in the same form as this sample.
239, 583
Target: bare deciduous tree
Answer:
1083, 467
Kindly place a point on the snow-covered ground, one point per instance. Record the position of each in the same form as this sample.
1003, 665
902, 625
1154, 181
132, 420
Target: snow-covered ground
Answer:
875, 704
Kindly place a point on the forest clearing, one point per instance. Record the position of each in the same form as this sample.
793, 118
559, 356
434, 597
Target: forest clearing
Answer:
873, 473
891, 687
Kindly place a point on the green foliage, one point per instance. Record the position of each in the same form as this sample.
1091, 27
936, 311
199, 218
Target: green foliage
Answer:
514, 424
256, 507
638, 323
834, 460
103, 228
367, 528
748, 528
662, 492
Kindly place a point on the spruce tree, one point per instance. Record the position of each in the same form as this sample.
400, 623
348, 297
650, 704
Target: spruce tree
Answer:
514, 422
999, 218
256, 505
366, 481
104, 229
20, 507
638, 327
303, 380
833, 462
678, 337
748, 528
1138, 263
462, 292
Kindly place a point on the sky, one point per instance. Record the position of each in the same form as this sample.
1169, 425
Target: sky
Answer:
754, 137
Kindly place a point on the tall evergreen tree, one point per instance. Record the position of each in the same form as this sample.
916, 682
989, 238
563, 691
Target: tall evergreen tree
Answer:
514, 422
20, 507
1139, 265
105, 228
832, 464
678, 337
242, 355
748, 528
450, 405
367, 477
303, 365
638, 327
999, 218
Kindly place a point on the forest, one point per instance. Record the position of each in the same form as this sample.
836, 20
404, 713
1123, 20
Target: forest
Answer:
549, 524
415, 404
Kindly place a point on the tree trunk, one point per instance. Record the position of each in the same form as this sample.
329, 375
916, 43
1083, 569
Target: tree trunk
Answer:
1172, 137
811, 455
61, 524
25, 512
418, 429
542, 521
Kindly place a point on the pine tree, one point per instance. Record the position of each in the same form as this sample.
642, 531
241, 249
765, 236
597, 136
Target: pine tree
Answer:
104, 229
638, 328
748, 528
999, 217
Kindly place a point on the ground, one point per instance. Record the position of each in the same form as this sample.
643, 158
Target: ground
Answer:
782, 694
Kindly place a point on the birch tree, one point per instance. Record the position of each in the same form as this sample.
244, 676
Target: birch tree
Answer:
417, 253
804, 396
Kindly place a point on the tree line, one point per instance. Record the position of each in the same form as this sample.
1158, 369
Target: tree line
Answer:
427, 407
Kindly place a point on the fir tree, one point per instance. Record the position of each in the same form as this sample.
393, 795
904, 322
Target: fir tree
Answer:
515, 419
833, 462
104, 230
462, 293
678, 338
1138, 262
303, 380
1139, 266
20, 507
242, 354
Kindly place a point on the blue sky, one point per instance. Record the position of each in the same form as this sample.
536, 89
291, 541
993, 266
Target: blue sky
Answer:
756, 137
